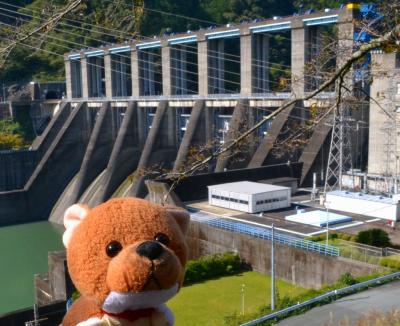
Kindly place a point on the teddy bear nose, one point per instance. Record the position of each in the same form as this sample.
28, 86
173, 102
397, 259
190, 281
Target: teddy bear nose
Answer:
150, 249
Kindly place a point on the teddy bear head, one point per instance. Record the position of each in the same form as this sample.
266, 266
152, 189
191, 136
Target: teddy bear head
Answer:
127, 253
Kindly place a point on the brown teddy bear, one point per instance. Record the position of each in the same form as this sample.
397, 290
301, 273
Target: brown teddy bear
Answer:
126, 257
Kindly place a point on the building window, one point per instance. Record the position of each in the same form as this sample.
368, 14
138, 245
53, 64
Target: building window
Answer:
398, 89
233, 200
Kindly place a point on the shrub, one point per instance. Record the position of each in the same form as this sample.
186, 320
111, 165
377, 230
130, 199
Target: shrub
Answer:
334, 236
347, 279
389, 262
374, 237
11, 142
212, 266
12, 135
345, 237
321, 237
286, 301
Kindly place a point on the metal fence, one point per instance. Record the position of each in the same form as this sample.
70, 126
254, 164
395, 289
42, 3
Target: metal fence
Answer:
322, 297
266, 234
365, 253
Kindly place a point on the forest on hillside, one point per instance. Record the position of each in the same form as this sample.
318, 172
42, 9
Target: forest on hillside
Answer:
84, 27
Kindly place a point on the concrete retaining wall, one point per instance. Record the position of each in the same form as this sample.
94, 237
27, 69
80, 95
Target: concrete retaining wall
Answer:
297, 266
16, 168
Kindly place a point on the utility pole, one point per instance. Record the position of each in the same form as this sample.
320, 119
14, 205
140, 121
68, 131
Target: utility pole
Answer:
272, 268
327, 225
243, 299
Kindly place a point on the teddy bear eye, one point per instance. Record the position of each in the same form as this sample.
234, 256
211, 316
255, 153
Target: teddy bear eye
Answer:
113, 248
162, 238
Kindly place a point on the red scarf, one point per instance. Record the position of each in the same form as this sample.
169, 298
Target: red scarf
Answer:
131, 315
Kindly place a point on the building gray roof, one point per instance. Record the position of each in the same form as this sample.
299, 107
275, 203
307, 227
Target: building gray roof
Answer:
247, 187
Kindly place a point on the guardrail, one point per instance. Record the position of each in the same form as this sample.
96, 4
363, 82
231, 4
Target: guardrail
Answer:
259, 232
327, 295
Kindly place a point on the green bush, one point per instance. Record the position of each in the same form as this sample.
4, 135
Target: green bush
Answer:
12, 136
373, 237
212, 266
345, 237
389, 262
347, 279
322, 237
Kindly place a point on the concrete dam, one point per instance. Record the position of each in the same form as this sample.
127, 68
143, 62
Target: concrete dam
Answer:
143, 106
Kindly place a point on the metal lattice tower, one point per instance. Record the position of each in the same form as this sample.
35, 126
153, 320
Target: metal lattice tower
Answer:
340, 159
391, 155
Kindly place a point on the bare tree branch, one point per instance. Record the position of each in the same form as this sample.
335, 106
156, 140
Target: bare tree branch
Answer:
44, 28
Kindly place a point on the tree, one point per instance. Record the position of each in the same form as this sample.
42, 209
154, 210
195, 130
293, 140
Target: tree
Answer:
374, 237
12, 135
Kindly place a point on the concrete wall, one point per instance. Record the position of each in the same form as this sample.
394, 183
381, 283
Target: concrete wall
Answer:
124, 157
267, 143
159, 150
16, 167
93, 163
383, 158
58, 164
294, 265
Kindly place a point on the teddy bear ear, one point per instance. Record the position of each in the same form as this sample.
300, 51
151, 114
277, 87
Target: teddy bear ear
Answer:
73, 216
181, 216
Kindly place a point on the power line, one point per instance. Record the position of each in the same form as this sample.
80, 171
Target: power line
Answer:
146, 37
159, 55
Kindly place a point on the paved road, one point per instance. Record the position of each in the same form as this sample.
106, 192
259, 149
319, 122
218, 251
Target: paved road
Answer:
383, 298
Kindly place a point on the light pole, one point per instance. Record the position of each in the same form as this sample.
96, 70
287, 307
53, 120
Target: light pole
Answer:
272, 268
327, 223
243, 299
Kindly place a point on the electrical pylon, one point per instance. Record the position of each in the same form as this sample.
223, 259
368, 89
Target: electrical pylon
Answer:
340, 159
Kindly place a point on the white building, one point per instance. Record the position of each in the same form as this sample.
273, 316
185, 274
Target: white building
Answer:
363, 204
249, 197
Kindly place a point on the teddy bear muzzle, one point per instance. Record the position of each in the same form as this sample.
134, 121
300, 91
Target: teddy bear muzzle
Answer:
145, 266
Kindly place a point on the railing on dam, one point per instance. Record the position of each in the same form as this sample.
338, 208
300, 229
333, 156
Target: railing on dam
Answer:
259, 232
211, 97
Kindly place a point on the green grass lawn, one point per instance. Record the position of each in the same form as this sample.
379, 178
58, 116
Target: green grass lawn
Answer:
209, 302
